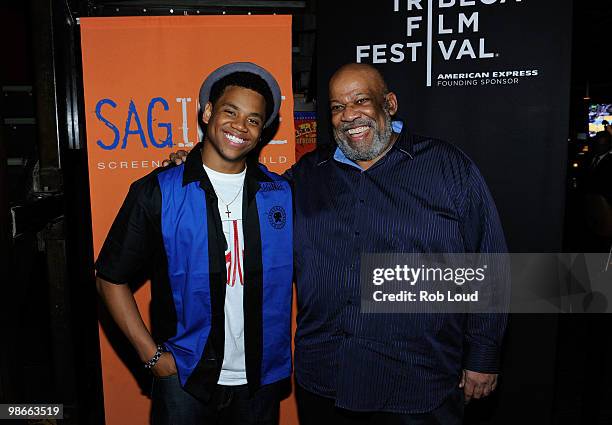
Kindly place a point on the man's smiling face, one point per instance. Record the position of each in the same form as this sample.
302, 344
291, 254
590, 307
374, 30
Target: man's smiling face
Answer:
234, 127
361, 112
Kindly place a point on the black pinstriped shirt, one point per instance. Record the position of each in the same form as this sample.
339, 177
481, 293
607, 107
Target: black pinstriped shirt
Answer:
425, 196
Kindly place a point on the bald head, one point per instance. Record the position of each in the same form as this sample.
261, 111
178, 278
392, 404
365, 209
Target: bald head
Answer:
361, 71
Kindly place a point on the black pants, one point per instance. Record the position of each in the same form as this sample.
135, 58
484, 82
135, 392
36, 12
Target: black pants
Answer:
230, 405
317, 410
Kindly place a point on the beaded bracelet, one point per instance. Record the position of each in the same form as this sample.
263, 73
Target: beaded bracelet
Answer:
156, 357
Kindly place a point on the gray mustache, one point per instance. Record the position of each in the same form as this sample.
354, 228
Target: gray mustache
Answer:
358, 123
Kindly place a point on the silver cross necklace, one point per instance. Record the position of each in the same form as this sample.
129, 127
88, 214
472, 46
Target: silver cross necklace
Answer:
227, 210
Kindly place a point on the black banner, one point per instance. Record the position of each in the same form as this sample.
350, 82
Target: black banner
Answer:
490, 76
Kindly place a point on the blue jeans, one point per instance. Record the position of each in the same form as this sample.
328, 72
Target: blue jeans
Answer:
229, 405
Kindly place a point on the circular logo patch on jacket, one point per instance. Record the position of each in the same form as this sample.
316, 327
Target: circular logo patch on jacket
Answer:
277, 217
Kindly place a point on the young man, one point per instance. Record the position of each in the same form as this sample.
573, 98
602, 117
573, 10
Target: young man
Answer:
214, 235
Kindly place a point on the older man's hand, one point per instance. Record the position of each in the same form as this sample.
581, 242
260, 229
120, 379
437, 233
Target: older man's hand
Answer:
177, 157
477, 385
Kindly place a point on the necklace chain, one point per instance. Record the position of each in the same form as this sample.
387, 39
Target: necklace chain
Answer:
222, 200
227, 210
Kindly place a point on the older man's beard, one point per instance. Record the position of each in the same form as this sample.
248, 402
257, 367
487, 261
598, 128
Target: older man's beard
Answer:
380, 139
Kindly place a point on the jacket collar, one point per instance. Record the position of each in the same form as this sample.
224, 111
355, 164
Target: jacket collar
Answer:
194, 171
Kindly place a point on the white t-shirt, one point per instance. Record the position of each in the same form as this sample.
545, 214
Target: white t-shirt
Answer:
229, 189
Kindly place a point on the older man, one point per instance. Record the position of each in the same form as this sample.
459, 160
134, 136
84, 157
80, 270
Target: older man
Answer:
384, 189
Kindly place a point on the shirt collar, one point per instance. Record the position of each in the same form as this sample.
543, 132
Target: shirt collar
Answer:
403, 144
405, 141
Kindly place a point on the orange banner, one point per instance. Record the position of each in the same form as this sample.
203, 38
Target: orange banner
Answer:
141, 77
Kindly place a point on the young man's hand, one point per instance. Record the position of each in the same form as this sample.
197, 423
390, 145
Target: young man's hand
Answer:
165, 366
177, 157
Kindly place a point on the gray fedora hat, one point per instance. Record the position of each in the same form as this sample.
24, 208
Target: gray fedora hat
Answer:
230, 68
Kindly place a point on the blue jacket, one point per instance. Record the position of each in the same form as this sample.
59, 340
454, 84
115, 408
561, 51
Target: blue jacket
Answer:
169, 230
